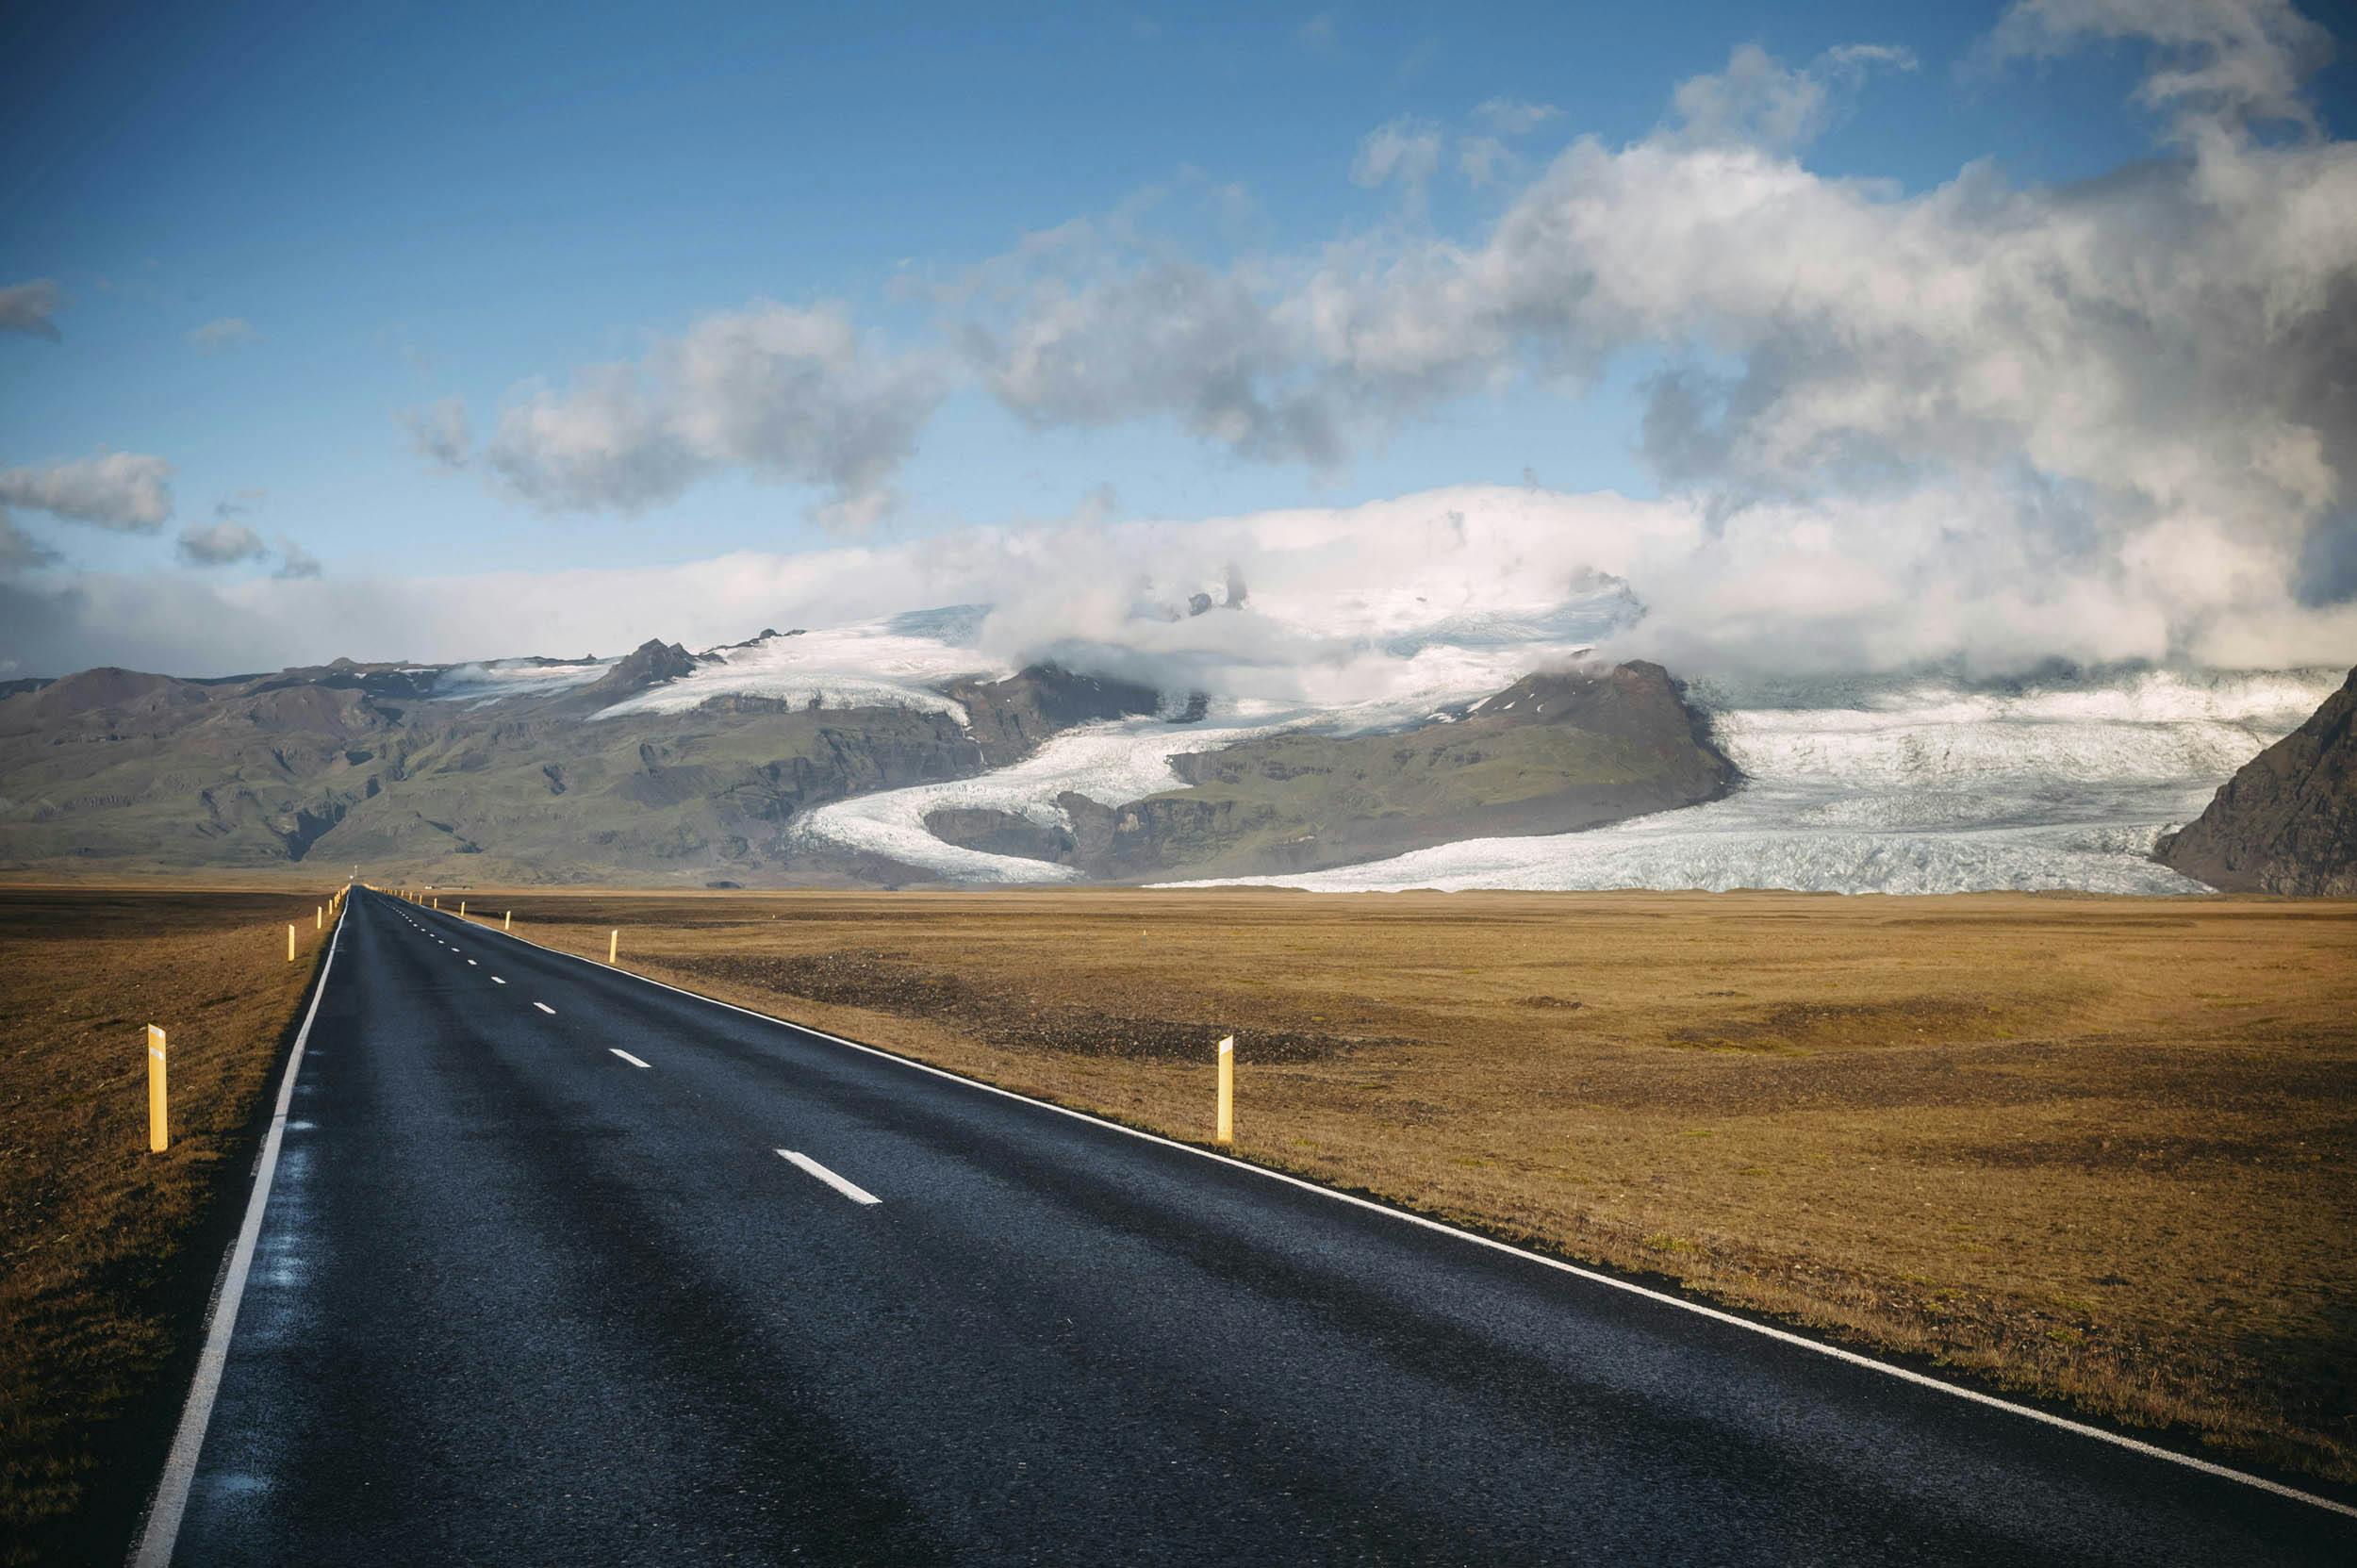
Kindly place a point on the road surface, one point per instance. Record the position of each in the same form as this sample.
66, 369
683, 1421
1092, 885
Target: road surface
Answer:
534, 1284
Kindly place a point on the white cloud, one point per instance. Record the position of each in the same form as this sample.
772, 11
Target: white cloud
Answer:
1342, 602
118, 491
229, 332
785, 393
31, 307
223, 541
2222, 61
1513, 116
294, 562
439, 432
1759, 102
2133, 390
1406, 152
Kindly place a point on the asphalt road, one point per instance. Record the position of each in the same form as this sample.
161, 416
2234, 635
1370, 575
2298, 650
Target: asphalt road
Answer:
534, 1286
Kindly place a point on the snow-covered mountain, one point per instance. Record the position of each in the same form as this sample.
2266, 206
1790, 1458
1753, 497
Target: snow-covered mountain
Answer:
1299, 731
1916, 784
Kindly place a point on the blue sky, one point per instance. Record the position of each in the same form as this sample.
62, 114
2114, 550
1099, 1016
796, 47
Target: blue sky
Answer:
408, 205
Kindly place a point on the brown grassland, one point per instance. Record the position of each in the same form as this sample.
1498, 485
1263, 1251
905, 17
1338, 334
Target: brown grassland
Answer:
108, 1252
2098, 1151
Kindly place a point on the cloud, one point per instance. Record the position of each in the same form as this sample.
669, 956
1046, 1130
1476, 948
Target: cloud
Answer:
784, 394
30, 307
118, 491
1759, 102
294, 562
1096, 334
1406, 152
221, 542
1320, 34
229, 332
1448, 591
20, 550
2219, 63
439, 432
2112, 416
1514, 117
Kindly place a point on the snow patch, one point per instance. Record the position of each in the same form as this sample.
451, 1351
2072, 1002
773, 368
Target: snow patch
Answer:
896, 663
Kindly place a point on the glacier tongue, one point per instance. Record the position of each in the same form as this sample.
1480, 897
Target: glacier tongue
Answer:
1866, 785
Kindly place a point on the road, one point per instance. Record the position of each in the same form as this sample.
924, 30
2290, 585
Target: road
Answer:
534, 1284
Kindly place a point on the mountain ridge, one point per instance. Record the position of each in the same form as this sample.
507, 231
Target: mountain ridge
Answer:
566, 771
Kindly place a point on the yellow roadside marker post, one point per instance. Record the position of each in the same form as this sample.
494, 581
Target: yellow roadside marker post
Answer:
1227, 1129
158, 1135
462, 909
290, 941
613, 944
319, 916
508, 921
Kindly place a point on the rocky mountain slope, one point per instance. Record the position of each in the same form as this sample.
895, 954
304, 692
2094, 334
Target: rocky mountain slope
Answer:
671, 766
1552, 754
2287, 822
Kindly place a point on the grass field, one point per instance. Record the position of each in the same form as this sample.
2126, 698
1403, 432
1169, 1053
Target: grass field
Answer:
107, 1251
2102, 1151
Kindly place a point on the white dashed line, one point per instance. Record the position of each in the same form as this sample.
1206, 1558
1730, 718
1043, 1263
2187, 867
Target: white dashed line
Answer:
626, 1056
495, 981
545, 1008
804, 1162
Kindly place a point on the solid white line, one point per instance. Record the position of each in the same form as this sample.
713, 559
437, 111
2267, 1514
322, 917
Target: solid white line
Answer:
626, 1056
161, 1531
545, 1008
804, 1162
1906, 1375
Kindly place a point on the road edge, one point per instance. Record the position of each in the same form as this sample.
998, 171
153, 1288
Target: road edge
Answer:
160, 1528
1408, 1216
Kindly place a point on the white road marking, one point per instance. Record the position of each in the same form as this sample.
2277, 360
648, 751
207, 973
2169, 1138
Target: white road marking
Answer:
161, 1531
470, 964
545, 1008
1904, 1374
626, 1056
495, 981
805, 1164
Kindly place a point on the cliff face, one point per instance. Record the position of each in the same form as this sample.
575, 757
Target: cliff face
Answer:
2288, 822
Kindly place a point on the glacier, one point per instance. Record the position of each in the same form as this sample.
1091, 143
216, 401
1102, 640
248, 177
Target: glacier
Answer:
1897, 784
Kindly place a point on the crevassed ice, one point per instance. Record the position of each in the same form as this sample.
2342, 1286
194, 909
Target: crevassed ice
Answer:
1857, 785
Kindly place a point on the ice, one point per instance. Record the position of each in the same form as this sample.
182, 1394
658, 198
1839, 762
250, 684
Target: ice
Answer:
1108, 763
898, 663
1866, 785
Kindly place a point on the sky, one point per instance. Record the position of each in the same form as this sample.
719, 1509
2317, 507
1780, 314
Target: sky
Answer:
1994, 333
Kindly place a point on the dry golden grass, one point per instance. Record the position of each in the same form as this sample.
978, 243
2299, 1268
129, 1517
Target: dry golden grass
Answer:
2098, 1150
107, 1251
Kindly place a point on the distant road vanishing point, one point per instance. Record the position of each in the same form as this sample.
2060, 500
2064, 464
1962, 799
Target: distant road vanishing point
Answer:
561, 1265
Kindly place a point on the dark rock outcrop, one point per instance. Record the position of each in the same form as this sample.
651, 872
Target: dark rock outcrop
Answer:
1010, 719
998, 833
1551, 753
2287, 822
653, 663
